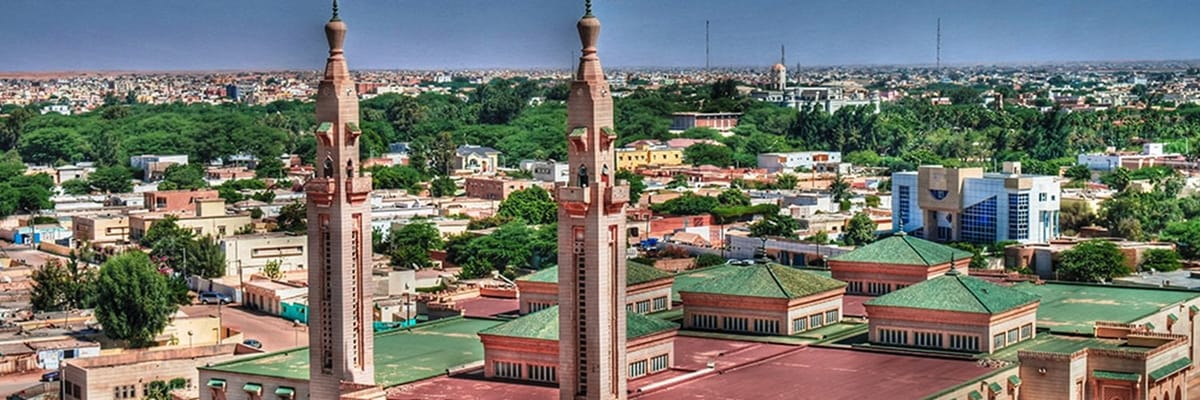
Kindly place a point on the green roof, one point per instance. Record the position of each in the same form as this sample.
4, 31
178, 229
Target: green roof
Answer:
956, 292
975, 395
1116, 376
903, 249
324, 127
285, 391
1167, 370
544, 325
767, 280
1014, 380
687, 279
635, 273
1075, 308
252, 387
401, 356
995, 387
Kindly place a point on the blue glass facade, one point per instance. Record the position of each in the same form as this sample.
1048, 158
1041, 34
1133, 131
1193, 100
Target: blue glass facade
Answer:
978, 222
1018, 216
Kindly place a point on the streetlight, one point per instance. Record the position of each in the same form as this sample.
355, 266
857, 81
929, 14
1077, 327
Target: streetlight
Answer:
189, 338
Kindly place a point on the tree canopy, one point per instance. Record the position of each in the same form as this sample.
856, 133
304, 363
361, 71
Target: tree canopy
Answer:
133, 300
1092, 261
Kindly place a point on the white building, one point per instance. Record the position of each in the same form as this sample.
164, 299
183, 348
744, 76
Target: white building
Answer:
1152, 155
812, 160
966, 204
549, 171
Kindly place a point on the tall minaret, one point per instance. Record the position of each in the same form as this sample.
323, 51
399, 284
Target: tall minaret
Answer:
591, 239
339, 236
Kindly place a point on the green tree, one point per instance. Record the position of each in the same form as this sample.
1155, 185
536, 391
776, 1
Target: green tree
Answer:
442, 186
1186, 236
775, 225
872, 201
687, 204
708, 260
208, 260
292, 218
1161, 260
133, 299
534, 205
679, 181
785, 182
76, 187
272, 269
269, 167
1079, 172
475, 268
733, 198
1092, 261
115, 179
860, 230
708, 154
51, 287
839, 189
1074, 216
409, 245
1118, 179
821, 237
183, 177
48, 146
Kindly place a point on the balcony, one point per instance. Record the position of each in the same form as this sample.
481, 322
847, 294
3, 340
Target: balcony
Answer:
573, 194
616, 195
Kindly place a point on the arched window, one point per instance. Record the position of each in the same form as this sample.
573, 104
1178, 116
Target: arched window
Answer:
327, 170
349, 169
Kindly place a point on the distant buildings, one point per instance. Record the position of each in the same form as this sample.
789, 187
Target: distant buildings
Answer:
1041, 258
645, 153
894, 263
1152, 155
495, 188
966, 204
765, 299
723, 122
829, 99
819, 161
153, 166
476, 159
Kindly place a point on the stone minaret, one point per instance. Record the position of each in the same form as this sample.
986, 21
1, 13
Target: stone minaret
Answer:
591, 239
339, 237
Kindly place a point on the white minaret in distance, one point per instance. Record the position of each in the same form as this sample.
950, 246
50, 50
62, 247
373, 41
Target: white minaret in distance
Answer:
591, 239
339, 237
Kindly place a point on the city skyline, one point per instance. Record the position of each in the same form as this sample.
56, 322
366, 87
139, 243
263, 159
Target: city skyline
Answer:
475, 34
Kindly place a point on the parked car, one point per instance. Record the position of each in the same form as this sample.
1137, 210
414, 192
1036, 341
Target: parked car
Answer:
253, 343
51, 376
214, 298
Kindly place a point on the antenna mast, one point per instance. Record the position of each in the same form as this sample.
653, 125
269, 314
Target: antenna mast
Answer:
707, 52
939, 43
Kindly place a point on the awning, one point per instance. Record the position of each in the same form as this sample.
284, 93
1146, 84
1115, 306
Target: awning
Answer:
284, 391
1014, 380
216, 383
1116, 376
253, 388
1194, 309
1170, 369
975, 395
1172, 317
1149, 326
995, 388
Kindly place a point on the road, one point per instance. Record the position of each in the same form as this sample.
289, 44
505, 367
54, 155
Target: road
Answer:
274, 332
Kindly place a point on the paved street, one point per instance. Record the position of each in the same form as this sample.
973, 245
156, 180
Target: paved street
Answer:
274, 332
10, 384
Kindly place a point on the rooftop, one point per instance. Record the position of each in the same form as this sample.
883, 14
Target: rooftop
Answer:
766, 280
401, 356
903, 249
957, 292
1074, 308
544, 325
635, 273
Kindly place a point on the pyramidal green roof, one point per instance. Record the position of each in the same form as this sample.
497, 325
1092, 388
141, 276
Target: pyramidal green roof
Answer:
767, 280
544, 325
957, 292
905, 250
635, 273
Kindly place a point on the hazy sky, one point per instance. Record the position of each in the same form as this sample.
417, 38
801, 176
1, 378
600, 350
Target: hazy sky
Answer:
435, 34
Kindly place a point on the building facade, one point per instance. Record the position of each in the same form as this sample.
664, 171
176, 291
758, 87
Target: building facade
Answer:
129, 375
176, 200
246, 255
496, 188
476, 159
810, 160
896, 262
723, 122
968, 205
630, 158
647, 290
339, 237
763, 299
591, 239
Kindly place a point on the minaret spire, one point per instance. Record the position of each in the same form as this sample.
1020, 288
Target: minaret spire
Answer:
587, 4
335, 12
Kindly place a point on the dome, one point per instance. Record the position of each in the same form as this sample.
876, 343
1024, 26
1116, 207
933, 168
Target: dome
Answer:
778, 67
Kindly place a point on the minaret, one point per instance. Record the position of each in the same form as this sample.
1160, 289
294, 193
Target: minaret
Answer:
339, 237
591, 239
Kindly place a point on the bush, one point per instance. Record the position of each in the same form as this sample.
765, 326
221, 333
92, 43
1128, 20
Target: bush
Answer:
708, 260
1162, 260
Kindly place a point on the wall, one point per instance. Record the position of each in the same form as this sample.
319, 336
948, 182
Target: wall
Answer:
252, 252
235, 382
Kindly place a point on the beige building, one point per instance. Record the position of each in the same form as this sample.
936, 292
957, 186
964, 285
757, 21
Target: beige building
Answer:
267, 295
248, 254
100, 229
476, 159
210, 218
128, 375
632, 158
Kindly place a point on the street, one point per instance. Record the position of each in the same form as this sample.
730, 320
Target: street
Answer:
274, 332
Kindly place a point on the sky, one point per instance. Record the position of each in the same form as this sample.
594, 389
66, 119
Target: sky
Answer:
160, 35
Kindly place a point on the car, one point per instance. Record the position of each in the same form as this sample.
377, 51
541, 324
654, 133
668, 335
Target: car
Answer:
51, 376
252, 343
214, 298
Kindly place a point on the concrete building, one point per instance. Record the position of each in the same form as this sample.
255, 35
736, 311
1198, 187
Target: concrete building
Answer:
894, 263
153, 166
550, 171
128, 375
723, 122
339, 216
966, 204
953, 312
269, 295
176, 200
246, 255
630, 158
591, 240
1152, 155
1042, 258
828, 99
209, 218
647, 289
494, 188
527, 348
820, 161
763, 299
476, 159
100, 229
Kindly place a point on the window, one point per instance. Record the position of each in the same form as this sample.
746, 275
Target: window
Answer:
736, 324
800, 324
643, 306
542, 373
637, 369
537, 306
831, 316
902, 194
998, 341
877, 288
1012, 335
659, 363
1018, 216
816, 321
702, 321
964, 342
927, 339
768, 326
893, 336
507, 369
660, 304
1026, 331
977, 224
1041, 196
854, 287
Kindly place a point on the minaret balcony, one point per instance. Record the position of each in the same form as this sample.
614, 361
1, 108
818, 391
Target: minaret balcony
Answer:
321, 190
572, 194
616, 195
358, 189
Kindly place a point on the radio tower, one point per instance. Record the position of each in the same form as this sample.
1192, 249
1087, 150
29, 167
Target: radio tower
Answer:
939, 43
706, 47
